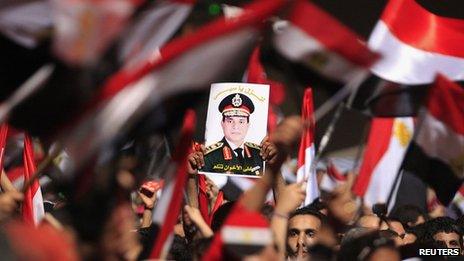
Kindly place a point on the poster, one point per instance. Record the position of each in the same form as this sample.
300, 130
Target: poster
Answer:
236, 124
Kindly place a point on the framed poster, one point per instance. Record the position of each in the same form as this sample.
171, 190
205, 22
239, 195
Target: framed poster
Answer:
236, 123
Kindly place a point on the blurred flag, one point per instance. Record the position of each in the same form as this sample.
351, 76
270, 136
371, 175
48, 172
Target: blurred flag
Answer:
436, 154
204, 202
256, 74
216, 52
317, 40
416, 39
386, 146
33, 208
307, 150
84, 29
168, 207
416, 44
26, 22
332, 178
3, 135
152, 29
458, 200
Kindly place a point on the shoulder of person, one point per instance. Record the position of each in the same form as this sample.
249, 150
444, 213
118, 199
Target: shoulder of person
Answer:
214, 147
252, 145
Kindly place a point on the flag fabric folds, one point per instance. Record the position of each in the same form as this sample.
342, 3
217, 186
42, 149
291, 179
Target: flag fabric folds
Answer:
168, 208
317, 40
307, 150
416, 44
386, 146
33, 208
152, 29
436, 154
219, 51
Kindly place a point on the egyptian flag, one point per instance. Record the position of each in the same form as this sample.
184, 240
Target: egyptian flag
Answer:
206, 210
332, 178
315, 39
417, 39
436, 154
307, 150
386, 146
152, 28
218, 51
458, 200
416, 44
168, 208
33, 208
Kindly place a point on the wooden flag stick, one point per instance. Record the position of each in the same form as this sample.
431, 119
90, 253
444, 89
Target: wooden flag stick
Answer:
43, 165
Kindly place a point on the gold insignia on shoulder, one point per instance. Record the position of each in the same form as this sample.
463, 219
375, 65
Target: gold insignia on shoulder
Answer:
214, 147
252, 145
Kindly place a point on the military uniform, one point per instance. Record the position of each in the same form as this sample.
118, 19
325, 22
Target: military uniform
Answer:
219, 158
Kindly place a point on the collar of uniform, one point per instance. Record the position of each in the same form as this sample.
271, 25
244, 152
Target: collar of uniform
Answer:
233, 146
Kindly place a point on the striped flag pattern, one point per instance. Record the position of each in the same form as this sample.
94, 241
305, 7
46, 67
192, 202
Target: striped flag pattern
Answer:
307, 150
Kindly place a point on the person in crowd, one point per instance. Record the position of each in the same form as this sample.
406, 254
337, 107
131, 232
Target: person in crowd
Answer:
409, 215
303, 227
445, 230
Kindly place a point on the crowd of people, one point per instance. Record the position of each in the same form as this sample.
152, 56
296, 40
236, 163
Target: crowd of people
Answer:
251, 227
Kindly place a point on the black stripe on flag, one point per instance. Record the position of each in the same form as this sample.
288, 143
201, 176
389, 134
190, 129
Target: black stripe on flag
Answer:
432, 171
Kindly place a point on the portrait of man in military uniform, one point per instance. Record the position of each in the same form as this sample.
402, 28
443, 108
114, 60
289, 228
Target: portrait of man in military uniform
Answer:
232, 154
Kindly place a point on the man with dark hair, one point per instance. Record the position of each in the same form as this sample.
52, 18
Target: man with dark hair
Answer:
409, 215
303, 227
232, 154
444, 229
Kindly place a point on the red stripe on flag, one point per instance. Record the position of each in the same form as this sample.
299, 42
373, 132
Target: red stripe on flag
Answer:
203, 202
3, 135
180, 158
331, 33
446, 103
29, 170
307, 113
416, 26
252, 16
377, 144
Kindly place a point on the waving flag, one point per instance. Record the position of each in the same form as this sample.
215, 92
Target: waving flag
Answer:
386, 146
416, 44
307, 150
168, 208
152, 29
33, 208
317, 40
216, 52
436, 154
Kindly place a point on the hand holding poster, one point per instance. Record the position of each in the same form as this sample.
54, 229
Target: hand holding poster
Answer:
235, 126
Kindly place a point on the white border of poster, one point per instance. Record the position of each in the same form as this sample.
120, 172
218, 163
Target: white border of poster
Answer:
257, 129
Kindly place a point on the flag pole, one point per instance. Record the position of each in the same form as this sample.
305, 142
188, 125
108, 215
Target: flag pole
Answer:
28, 88
399, 174
349, 88
42, 166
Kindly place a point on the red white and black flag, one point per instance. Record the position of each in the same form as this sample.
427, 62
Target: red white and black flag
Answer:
315, 39
306, 171
417, 39
436, 153
416, 44
218, 51
386, 146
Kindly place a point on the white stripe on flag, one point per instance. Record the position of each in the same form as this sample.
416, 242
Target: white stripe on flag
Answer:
434, 131
298, 46
304, 173
385, 171
37, 206
402, 63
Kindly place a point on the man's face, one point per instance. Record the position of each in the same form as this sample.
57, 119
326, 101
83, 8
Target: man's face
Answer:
302, 232
235, 129
450, 239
